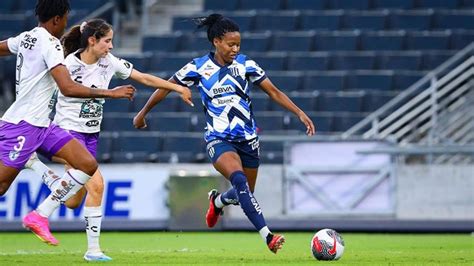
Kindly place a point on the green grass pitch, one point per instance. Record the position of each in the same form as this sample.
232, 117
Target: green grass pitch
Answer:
238, 248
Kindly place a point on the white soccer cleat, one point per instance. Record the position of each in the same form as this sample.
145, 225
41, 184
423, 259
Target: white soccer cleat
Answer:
33, 158
96, 256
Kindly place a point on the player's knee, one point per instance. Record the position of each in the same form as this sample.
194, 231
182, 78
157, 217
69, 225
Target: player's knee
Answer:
238, 180
89, 166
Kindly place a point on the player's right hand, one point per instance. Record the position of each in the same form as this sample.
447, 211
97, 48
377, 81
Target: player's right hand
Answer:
139, 121
124, 91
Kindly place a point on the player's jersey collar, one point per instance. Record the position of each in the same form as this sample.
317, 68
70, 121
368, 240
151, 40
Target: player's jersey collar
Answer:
211, 56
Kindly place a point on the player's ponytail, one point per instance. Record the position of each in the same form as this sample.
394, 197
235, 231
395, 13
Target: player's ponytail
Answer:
71, 41
78, 36
216, 25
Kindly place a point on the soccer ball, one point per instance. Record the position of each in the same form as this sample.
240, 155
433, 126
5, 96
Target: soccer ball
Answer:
327, 244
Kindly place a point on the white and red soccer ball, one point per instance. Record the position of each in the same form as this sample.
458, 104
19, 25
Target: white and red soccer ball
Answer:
327, 244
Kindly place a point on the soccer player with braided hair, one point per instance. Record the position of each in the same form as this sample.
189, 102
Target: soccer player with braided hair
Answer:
232, 143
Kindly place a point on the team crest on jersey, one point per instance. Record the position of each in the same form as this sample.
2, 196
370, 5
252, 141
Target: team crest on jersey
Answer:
91, 108
13, 155
234, 71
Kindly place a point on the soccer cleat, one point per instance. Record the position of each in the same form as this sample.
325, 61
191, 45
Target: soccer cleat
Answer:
33, 158
96, 256
213, 213
39, 225
276, 243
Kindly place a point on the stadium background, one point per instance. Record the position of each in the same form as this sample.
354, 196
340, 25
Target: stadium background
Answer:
388, 84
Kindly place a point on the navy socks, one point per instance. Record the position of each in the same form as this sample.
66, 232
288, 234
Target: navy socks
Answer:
247, 201
230, 197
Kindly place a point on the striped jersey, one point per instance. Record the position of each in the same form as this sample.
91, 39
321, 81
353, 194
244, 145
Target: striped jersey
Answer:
224, 94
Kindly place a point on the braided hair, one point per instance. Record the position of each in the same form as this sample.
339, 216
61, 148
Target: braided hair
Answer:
217, 25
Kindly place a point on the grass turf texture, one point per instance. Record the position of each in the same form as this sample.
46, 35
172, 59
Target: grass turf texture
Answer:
238, 248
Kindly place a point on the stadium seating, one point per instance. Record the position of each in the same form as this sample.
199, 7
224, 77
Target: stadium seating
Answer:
177, 122
170, 62
277, 21
104, 148
12, 24
343, 122
340, 102
336, 59
411, 20
375, 99
336, 41
363, 79
256, 42
393, 4
287, 80
293, 41
221, 5
162, 43
270, 121
117, 122
261, 4
328, 20
325, 81
270, 61
349, 4
271, 151
428, 40
322, 121
365, 20
454, 20
135, 148
382, 41
306, 5
352, 61
308, 61
396, 61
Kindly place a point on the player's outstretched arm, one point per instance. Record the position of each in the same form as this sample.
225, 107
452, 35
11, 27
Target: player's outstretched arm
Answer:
4, 48
139, 119
69, 88
283, 100
156, 82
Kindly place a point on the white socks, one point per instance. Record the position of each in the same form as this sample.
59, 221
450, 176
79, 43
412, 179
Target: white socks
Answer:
93, 218
264, 233
218, 202
68, 185
48, 176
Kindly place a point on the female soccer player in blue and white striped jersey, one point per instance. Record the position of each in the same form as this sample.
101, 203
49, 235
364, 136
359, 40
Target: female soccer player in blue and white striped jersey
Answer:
232, 143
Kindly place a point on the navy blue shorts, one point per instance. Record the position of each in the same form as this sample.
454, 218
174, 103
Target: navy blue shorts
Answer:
249, 151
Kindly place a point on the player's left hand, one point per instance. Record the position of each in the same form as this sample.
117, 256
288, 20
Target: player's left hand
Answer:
310, 129
186, 95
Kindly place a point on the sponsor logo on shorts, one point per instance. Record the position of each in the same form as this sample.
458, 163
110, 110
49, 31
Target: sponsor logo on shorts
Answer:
254, 144
212, 152
210, 147
212, 143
